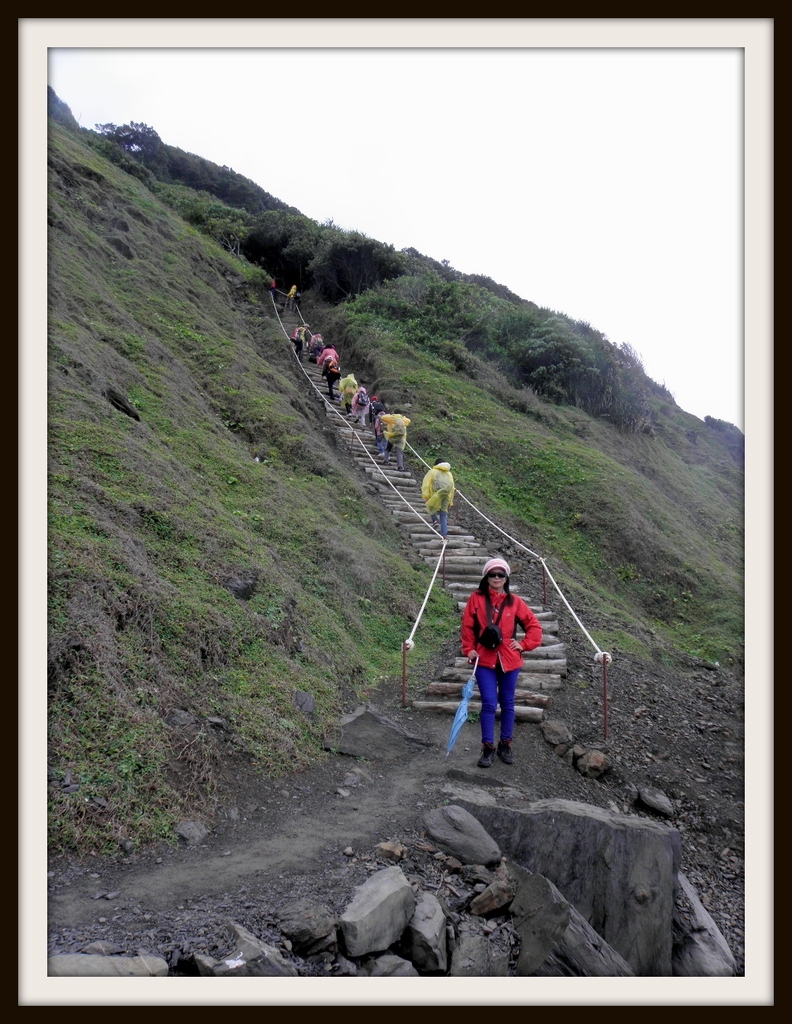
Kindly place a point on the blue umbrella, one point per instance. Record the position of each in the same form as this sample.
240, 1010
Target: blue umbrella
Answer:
461, 712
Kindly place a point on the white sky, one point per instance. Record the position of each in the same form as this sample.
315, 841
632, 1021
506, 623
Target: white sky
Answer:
602, 183
606, 183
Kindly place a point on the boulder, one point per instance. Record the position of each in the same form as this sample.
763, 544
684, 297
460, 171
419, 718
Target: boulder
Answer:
87, 965
458, 832
618, 871
250, 958
474, 957
191, 833
556, 733
700, 950
656, 800
389, 966
556, 941
368, 733
378, 914
309, 926
424, 939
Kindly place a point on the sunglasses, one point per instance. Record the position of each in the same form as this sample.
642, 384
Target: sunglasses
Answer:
496, 575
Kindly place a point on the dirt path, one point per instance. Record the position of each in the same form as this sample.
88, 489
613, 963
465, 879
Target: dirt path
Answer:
273, 842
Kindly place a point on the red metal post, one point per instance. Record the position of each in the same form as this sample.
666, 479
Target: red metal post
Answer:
443, 570
404, 674
544, 586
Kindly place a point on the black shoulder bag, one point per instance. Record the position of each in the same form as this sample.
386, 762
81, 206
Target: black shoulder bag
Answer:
491, 636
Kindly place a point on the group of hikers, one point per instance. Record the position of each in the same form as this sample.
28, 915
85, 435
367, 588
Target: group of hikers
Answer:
292, 300
491, 614
389, 427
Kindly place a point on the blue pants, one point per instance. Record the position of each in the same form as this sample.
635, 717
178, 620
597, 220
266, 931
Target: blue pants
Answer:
443, 518
496, 687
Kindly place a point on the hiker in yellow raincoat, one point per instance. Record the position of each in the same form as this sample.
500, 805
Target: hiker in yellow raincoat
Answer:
290, 297
437, 491
347, 387
394, 427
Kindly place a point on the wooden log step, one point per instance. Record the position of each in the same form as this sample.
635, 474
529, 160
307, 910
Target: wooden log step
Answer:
535, 700
539, 665
530, 674
448, 707
552, 650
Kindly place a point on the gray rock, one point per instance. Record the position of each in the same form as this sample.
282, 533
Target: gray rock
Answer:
656, 800
102, 948
389, 966
700, 950
178, 718
250, 958
368, 733
541, 919
458, 832
309, 926
305, 702
618, 871
474, 957
378, 914
593, 764
556, 941
556, 733
85, 965
192, 833
424, 939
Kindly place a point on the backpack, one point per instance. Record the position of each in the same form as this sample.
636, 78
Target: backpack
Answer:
331, 367
363, 399
398, 428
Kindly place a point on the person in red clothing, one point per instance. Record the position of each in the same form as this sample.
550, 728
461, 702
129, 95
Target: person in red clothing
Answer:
498, 651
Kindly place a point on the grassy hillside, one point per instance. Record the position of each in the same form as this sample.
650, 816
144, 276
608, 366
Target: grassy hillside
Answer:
211, 553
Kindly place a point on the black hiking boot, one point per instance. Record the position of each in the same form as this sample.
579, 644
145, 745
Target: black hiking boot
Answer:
505, 752
487, 755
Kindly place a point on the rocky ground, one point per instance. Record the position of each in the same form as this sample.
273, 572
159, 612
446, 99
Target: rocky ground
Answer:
315, 833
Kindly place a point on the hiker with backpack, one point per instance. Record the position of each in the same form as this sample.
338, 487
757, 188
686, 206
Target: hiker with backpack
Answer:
437, 491
376, 409
487, 632
347, 388
315, 346
325, 352
395, 428
331, 371
297, 338
360, 404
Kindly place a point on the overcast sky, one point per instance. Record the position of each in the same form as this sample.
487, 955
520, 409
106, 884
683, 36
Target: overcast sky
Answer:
602, 183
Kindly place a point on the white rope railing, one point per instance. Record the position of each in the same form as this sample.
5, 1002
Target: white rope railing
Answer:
601, 657
357, 437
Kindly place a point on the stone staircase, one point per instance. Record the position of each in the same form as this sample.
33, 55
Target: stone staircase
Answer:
544, 668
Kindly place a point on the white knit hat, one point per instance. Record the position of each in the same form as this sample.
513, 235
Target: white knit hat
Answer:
496, 563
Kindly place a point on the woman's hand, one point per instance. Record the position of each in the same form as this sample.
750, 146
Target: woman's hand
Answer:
471, 658
515, 645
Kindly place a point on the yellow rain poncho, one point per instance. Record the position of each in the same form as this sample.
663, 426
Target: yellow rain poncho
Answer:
395, 428
347, 387
437, 488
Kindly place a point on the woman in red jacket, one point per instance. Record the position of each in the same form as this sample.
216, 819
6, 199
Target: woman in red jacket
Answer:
499, 657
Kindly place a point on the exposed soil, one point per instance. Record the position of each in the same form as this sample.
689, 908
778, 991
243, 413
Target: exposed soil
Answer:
274, 841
